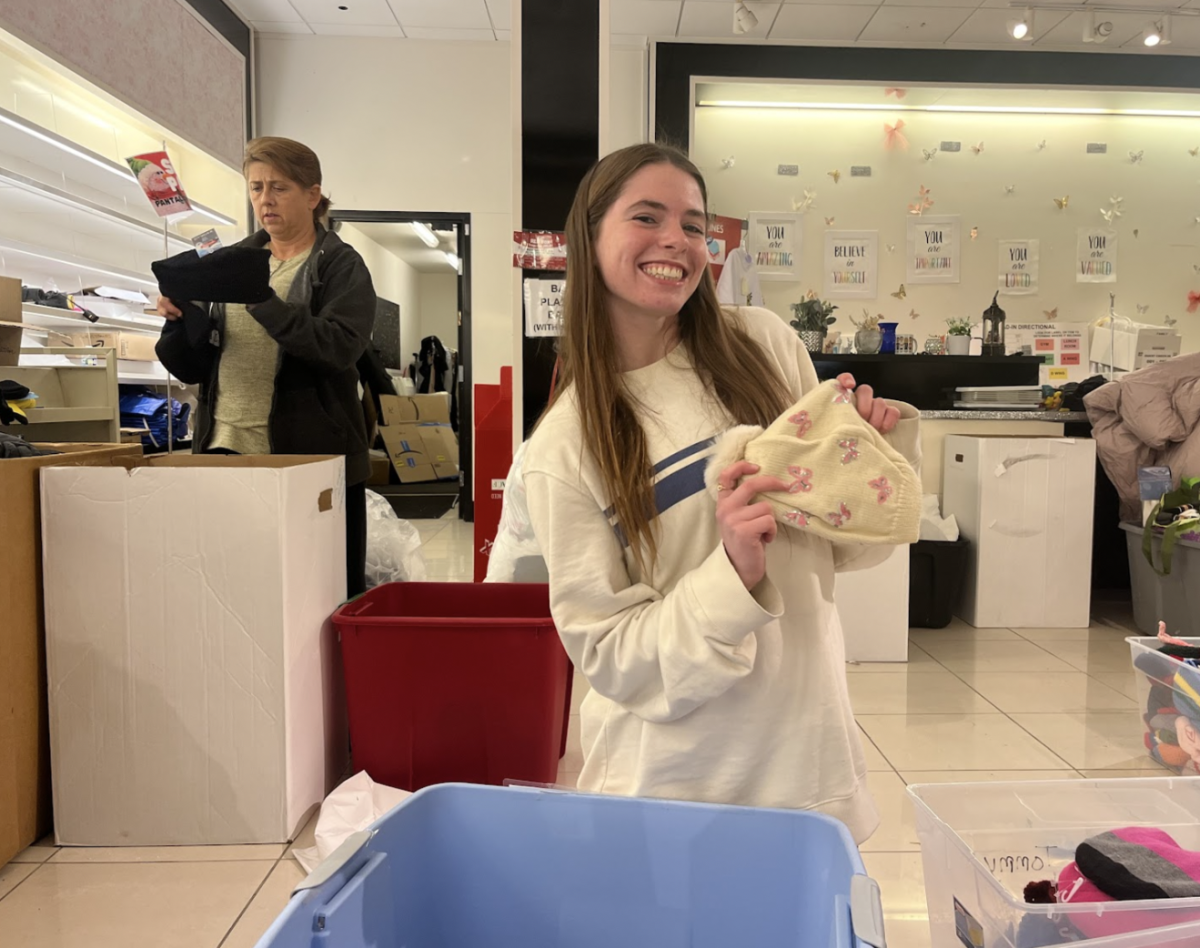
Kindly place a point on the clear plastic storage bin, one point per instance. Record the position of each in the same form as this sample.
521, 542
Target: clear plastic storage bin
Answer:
458, 866
1173, 599
981, 843
1169, 700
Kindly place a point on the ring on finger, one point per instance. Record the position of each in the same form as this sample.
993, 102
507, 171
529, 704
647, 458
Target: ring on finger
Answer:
720, 487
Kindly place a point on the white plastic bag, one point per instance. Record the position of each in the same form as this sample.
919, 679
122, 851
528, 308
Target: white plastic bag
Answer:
515, 556
933, 527
393, 546
353, 806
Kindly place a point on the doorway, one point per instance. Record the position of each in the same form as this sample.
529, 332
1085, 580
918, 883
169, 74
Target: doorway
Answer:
420, 264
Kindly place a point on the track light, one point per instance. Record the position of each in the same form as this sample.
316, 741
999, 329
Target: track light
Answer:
744, 19
1022, 29
1094, 32
428, 237
1151, 35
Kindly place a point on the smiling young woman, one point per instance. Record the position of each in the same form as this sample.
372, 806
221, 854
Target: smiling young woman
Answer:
709, 639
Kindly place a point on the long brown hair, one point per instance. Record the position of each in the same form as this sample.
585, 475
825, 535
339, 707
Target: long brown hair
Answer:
731, 364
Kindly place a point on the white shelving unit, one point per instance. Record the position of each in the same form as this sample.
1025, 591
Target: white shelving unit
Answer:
75, 402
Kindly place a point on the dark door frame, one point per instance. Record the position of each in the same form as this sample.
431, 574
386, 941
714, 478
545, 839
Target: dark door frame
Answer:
461, 224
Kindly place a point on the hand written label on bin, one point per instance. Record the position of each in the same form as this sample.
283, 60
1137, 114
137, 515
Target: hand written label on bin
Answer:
969, 931
1013, 864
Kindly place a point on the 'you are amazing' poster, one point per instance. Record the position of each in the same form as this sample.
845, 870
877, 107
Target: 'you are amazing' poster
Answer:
775, 242
933, 249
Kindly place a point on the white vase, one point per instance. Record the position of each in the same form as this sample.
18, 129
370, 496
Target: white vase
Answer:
958, 345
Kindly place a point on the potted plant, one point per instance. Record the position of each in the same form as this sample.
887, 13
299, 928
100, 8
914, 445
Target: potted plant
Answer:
868, 338
958, 341
814, 316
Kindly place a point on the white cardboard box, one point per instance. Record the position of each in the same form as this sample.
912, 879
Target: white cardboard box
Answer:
872, 605
1026, 506
195, 684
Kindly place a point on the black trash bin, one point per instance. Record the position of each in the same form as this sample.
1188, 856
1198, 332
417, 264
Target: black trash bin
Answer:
935, 576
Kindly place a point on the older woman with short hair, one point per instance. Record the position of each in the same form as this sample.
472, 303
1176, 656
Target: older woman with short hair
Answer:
280, 376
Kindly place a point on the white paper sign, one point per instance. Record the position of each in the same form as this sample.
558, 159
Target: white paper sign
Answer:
1096, 256
1060, 346
1018, 267
544, 307
851, 264
933, 248
775, 241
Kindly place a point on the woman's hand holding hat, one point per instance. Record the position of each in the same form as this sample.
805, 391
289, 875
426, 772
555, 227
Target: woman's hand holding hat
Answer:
746, 527
875, 411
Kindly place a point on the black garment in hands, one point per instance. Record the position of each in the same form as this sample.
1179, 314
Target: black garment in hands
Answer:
237, 274
322, 330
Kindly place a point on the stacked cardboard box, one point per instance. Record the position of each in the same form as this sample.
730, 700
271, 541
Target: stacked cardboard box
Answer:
419, 440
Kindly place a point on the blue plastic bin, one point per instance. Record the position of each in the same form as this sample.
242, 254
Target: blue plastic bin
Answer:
466, 866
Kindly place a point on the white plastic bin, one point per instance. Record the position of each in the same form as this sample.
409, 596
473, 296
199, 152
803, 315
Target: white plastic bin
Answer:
1173, 599
981, 843
1169, 699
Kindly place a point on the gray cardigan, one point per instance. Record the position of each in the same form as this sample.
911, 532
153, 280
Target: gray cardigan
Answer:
322, 329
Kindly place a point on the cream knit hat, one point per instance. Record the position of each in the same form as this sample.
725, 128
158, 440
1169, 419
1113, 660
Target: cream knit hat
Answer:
847, 484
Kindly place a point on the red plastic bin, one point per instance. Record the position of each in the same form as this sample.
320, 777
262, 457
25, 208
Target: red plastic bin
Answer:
455, 682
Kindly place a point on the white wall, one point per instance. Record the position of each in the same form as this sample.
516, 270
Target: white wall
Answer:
1157, 231
439, 307
627, 97
409, 125
394, 280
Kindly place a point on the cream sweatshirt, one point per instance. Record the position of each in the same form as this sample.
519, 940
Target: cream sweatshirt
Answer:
701, 690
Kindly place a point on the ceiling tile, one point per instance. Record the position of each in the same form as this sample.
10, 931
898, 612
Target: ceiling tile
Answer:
895, 24
433, 33
501, 11
811, 22
649, 17
283, 28
710, 19
356, 29
989, 27
1068, 31
442, 14
357, 12
266, 11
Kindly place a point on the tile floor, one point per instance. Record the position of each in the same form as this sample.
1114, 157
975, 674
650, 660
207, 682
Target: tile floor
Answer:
971, 705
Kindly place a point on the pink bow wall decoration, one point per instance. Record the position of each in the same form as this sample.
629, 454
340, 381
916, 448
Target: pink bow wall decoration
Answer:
892, 136
1193, 301
898, 93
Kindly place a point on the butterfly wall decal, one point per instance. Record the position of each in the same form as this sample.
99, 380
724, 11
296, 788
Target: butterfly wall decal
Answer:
891, 248
974, 232
929, 153
1010, 188
1109, 212
829, 221
835, 174
923, 203
913, 314
1050, 314
1062, 202
1196, 267
841, 517
1194, 151
898, 93
1135, 157
1143, 310
804, 203
1170, 320
1193, 301
977, 149
1116, 201
900, 293
1041, 146
893, 136
1135, 233
727, 162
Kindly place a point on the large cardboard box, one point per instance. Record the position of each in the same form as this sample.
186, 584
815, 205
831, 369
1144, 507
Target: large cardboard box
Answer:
1025, 505
10, 321
195, 682
25, 809
417, 435
128, 345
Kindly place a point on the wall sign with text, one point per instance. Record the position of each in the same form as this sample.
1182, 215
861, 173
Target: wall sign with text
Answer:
934, 254
1018, 267
775, 242
1096, 255
851, 264
544, 307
